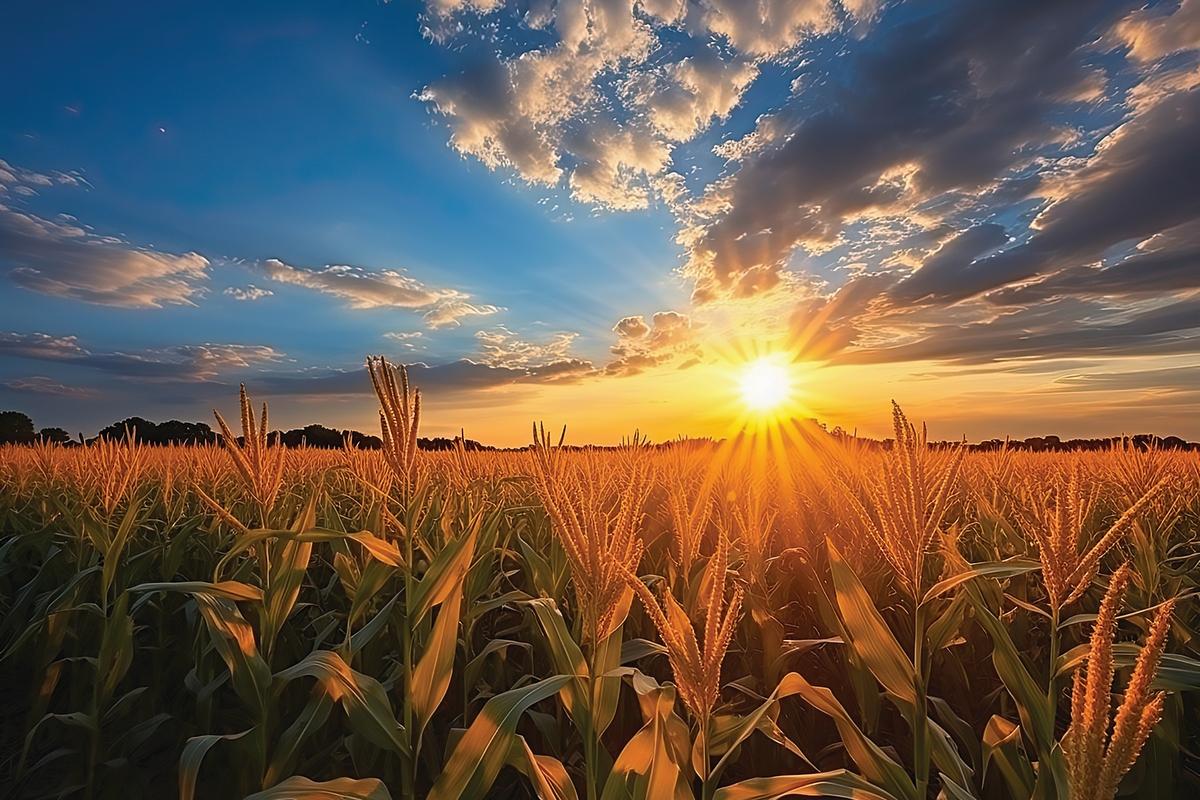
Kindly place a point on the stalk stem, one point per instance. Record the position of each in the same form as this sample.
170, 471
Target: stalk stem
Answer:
921, 713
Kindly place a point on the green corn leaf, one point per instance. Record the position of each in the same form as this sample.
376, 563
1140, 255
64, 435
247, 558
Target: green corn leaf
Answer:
1002, 747
194, 751
838, 783
992, 569
1037, 715
301, 788
362, 697
314, 715
870, 636
446, 572
546, 773
431, 676
484, 749
652, 763
872, 761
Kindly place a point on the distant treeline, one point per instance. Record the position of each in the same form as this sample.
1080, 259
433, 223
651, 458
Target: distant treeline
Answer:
18, 428
1050, 444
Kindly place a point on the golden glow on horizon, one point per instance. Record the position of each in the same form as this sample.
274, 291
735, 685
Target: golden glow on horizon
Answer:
765, 384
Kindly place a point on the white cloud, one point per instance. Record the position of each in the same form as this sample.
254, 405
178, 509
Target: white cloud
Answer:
248, 293
605, 103
389, 288
450, 313
360, 287
501, 347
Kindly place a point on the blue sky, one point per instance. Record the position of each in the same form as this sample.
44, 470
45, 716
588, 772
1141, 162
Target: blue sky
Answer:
557, 207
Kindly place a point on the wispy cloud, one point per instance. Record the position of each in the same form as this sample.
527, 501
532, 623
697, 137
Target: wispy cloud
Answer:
185, 362
62, 258
40, 384
247, 293
389, 288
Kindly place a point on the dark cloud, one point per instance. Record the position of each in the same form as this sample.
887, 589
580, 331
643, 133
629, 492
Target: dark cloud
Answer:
42, 385
1164, 264
436, 381
1144, 178
185, 363
947, 260
1062, 328
943, 96
824, 326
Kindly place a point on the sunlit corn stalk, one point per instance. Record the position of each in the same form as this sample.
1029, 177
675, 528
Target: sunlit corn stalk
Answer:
114, 467
755, 526
1098, 748
465, 466
696, 663
1069, 563
258, 463
596, 513
906, 503
399, 419
1069, 560
689, 506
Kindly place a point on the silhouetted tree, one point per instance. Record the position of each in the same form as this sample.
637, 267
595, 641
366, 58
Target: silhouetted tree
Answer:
133, 427
15, 428
54, 436
175, 432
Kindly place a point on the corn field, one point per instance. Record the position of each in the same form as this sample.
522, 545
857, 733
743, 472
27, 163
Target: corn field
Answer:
743, 620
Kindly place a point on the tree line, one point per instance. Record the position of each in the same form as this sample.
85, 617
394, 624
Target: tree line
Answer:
18, 428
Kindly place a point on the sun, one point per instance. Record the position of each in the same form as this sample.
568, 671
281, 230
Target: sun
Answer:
765, 385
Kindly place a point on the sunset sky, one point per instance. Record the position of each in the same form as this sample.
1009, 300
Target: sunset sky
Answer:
595, 212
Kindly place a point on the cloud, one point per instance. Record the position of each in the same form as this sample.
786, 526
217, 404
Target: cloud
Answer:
947, 260
183, 363
606, 89
682, 99
63, 259
248, 293
27, 182
668, 337
437, 381
1063, 328
764, 28
615, 166
1167, 379
1151, 157
1163, 264
365, 289
451, 313
931, 103
500, 347
971, 181
1150, 33
360, 287
40, 384
409, 340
